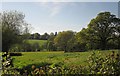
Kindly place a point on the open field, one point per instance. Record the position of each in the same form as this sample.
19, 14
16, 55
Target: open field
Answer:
40, 42
73, 58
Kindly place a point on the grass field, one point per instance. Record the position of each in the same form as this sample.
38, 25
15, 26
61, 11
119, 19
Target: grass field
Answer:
40, 42
73, 58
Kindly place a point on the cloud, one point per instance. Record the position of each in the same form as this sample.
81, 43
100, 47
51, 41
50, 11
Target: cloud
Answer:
57, 8
54, 7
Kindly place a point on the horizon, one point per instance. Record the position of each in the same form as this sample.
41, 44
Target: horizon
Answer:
47, 17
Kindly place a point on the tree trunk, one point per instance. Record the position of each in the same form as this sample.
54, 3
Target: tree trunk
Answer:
65, 49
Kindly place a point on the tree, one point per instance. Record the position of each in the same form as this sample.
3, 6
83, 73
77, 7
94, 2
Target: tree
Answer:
50, 42
63, 39
26, 46
82, 39
0, 34
50, 46
35, 47
51, 36
13, 28
45, 36
37, 36
117, 32
100, 31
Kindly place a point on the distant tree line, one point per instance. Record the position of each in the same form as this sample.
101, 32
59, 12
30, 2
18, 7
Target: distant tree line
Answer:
103, 33
37, 36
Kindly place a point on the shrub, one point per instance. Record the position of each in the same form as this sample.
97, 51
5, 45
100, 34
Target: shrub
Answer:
104, 65
15, 54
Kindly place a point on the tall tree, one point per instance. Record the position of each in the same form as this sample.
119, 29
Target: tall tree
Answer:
50, 42
101, 29
63, 39
83, 40
117, 32
0, 33
13, 27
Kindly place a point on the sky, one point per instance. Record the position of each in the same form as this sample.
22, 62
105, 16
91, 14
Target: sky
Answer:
59, 16
59, 0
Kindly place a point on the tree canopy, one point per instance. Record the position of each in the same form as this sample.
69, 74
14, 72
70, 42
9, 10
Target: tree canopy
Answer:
63, 39
13, 27
100, 31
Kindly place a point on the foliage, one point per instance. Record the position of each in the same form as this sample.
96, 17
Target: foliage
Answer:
53, 69
37, 36
100, 31
103, 32
50, 43
108, 65
29, 45
51, 46
39, 44
13, 27
97, 64
7, 64
63, 40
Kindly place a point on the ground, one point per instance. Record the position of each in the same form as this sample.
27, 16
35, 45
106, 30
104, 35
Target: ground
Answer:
68, 59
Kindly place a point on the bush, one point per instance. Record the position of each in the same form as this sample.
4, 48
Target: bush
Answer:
15, 54
104, 65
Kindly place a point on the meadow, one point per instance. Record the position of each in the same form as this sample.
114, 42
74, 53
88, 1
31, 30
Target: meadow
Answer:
59, 57
40, 42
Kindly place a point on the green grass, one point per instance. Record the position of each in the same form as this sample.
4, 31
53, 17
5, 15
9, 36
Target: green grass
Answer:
73, 58
0, 53
40, 42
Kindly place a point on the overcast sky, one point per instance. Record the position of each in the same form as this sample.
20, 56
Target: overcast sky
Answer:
58, 16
